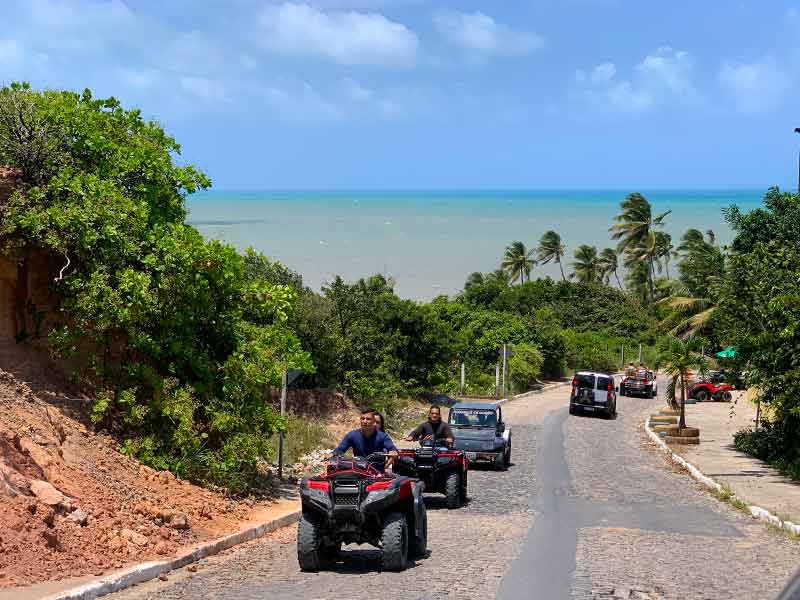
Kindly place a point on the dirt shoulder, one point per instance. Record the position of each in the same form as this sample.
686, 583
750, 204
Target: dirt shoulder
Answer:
71, 504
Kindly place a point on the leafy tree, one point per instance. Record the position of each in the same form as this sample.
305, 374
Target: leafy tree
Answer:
678, 359
484, 289
759, 313
636, 231
551, 248
587, 266
524, 365
173, 335
517, 261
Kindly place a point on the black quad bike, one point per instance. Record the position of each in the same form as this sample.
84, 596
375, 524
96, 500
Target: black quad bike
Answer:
442, 470
354, 503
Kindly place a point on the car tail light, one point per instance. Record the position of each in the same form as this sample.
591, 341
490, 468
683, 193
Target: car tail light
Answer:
610, 388
379, 485
574, 384
647, 382
319, 485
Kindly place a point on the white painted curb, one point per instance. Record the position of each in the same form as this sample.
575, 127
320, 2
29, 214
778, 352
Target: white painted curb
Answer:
761, 514
151, 570
545, 388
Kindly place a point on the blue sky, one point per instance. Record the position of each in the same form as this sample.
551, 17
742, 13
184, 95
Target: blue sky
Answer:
423, 94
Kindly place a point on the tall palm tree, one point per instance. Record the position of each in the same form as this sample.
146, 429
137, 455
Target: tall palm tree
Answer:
586, 264
678, 358
665, 251
693, 301
518, 261
551, 248
636, 232
609, 264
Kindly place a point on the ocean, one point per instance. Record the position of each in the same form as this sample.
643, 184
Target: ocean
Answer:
429, 242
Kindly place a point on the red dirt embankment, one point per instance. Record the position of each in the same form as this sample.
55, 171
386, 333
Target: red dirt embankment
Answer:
70, 503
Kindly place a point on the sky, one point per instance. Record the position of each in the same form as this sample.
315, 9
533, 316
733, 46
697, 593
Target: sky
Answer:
416, 94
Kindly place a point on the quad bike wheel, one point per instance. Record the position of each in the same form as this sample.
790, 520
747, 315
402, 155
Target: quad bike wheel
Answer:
419, 543
572, 410
452, 487
464, 489
507, 457
394, 541
701, 396
309, 551
727, 396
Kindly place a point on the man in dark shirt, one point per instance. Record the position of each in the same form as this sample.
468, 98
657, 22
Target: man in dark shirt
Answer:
367, 440
433, 427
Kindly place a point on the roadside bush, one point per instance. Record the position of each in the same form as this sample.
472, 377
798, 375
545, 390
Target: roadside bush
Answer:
774, 443
178, 336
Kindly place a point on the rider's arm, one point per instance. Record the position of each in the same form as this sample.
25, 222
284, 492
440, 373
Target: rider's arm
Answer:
448, 434
414, 435
345, 444
390, 449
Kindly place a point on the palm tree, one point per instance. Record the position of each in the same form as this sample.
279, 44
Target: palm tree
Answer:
609, 265
551, 248
664, 249
517, 261
693, 301
678, 358
636, 232
586, 264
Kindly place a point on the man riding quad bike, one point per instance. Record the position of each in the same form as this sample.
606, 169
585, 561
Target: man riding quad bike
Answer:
440, 468
355, 501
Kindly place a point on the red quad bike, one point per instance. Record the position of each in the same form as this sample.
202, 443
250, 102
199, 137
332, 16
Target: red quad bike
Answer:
441, 469
354, 503
704, 391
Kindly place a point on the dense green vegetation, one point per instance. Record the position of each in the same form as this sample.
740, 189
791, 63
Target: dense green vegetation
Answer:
179, 337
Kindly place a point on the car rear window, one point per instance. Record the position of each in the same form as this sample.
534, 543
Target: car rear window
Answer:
584, 381
603, 383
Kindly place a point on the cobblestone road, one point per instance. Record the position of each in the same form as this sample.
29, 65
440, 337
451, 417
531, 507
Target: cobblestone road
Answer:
587, 511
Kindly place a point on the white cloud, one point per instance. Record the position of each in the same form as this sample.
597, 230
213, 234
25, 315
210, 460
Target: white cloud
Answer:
481, 34
603, 73
349, 38
661, 77
667, 68
757, 86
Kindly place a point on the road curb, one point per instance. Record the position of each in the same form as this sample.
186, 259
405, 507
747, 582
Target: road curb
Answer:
757, 512
545, 388
150, 570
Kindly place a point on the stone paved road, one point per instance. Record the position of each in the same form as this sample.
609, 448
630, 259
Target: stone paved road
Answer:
588, 510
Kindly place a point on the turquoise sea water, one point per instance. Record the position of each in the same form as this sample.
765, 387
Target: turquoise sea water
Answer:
431, 241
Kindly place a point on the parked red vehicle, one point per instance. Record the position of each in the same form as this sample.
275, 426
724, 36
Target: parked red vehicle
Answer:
703, 391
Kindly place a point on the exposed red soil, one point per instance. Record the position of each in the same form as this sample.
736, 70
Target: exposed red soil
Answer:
132, 513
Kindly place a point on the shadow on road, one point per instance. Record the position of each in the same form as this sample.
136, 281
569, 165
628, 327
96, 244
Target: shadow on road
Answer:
359, 561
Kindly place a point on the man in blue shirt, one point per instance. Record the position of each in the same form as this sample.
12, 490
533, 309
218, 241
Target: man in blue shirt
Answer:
367, 440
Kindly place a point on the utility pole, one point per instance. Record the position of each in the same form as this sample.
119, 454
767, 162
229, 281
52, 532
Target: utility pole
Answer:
463, 373
797, 130
640, 352
504, 371
622, 355
497, 380
284, 385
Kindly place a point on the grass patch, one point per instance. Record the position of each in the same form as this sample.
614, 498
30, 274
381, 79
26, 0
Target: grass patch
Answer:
789, 535
302, 436
725, 494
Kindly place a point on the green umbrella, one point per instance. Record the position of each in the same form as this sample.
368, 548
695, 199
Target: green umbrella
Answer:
729, 352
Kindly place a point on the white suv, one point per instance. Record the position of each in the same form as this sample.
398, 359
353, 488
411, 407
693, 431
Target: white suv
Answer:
593, 392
